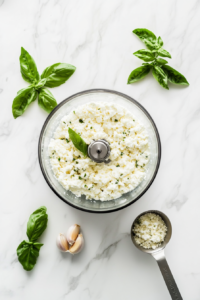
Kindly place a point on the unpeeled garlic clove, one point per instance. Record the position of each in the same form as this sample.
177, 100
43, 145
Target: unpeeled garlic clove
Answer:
78, 245
72, 233
62, 243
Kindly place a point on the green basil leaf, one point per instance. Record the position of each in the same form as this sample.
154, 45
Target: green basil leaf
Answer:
40, 84
57, 74
78, 142
23, 99
145, 34
160, 42
37, 223
28, 253
28, 67
138, 74
163, 53
160, 76
174, 76
46, 100
161, 61
151, 45
144, 54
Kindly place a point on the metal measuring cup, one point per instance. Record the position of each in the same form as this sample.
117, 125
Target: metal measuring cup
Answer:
159, 255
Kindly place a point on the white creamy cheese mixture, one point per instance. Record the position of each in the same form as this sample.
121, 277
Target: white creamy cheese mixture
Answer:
150, 231
129, 145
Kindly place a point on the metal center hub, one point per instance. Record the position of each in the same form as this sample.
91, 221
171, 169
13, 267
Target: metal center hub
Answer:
99, 151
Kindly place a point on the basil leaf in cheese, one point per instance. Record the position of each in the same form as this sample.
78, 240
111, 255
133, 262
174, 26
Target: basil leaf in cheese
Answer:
28, 253
37, 223
28, 67
78, 142
57, 74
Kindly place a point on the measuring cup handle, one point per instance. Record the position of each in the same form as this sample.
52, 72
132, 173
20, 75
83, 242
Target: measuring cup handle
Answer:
167, 275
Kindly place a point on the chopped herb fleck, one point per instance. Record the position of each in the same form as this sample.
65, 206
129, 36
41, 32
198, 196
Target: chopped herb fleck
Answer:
70, 122
81, 121
136, 163
62, 139
74, 111
67, 140
85, 185
121, 174
80, 178
98, 108
127, 178
116, 120
85, 175
146, 156
90, 127
58, 158
64, 122
122, 153
77, 162
74, 159
118, 166
133, 120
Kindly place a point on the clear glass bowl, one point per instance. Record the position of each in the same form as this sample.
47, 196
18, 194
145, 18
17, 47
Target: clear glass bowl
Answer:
71, 103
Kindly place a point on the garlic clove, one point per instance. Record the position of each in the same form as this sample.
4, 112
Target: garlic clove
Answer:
62, 243
72, 233
78, 245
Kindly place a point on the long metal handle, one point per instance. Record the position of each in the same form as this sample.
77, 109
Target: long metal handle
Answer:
167, 275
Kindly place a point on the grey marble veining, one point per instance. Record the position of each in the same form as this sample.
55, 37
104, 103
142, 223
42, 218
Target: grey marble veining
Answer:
96, 37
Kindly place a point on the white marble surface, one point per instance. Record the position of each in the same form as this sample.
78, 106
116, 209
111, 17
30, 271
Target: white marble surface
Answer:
96, 37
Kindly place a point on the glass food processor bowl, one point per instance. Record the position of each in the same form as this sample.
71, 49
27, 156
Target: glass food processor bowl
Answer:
64, 108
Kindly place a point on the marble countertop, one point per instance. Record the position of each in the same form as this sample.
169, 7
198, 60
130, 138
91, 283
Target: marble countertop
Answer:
96, 37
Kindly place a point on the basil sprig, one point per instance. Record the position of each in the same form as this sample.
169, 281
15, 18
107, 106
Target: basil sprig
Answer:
52, 76
161, 72
78, 142
28, 251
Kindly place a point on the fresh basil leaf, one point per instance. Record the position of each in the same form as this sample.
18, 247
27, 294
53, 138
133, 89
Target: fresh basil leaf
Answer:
28, 253
151, 45
23, 99
37, 223
57, 74
145, 55
161, 61
28, 67
46, 100
160, 76
138, 74
40, 84
145, 34
163, 53
174, 76
78, 142
160, 42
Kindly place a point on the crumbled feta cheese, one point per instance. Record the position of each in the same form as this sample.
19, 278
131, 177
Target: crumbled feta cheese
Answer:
150, 231
129, 152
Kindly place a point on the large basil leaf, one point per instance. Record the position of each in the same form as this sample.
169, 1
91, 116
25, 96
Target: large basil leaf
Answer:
145, 55
145, 34
161, 61
40, 84
37, 223
28, 253
160, 76
57, 74
78, 142
28, 67
174, 76
163, 53
46, 100
23, 99
138, 73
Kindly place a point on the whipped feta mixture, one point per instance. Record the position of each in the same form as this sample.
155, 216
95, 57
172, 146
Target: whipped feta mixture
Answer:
150, 231
129, 145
